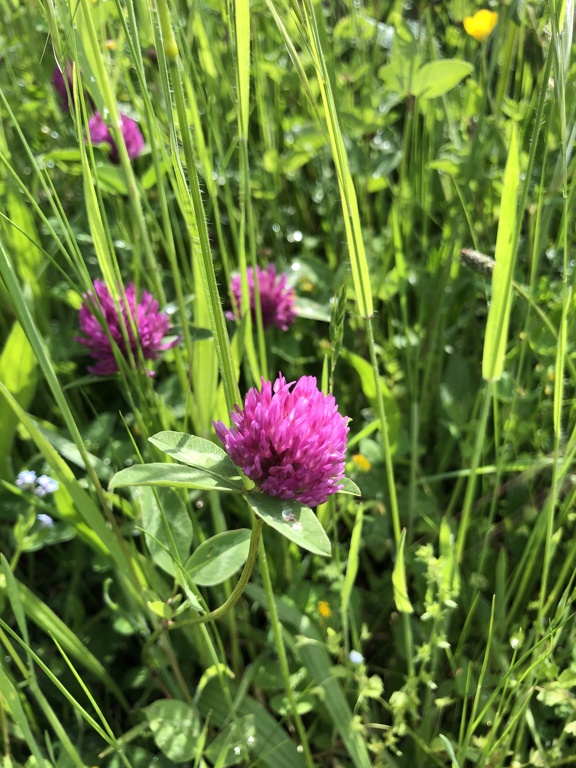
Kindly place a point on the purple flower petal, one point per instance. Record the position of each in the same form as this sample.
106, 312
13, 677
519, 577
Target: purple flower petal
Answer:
59, 83
100, 134
289, 439
276, 297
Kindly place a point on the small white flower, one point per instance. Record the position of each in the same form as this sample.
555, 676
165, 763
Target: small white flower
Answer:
46, 485
26, 479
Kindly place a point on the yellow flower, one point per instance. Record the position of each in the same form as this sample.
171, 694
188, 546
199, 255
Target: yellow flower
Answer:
324, 609
481, 24
361, 463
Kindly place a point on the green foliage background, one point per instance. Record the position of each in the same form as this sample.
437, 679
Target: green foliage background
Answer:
359, 147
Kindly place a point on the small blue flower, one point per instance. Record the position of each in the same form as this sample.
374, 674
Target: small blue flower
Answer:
45, 521
26, 480
45, 485
356, 657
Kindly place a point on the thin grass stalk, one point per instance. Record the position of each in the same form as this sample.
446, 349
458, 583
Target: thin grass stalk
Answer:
157, 154
360, 274
196, 219
240, 33
489, 394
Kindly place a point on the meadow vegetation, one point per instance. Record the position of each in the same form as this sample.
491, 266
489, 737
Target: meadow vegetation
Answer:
198, 198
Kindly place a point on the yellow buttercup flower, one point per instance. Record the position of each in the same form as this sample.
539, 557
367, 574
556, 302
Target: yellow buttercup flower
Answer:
361, 463
481, 24
324, 609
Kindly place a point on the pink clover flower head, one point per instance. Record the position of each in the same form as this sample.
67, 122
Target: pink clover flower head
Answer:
100, 308
276, 297
289, 439
59, 82
100, 134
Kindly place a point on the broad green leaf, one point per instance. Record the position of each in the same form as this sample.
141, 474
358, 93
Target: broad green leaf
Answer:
173, 475
175, 726
403, 604
68, 450
293, 520
230, 747
160, 540
350, 487
439, 77
219, 557
23, 236
499, 311
199, 453
312, 310
404, 63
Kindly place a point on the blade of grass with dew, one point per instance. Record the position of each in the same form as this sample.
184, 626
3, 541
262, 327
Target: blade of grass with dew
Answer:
275, 747
241, 36
135, 27
499, 312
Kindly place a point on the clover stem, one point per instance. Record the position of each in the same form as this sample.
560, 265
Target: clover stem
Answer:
236, 593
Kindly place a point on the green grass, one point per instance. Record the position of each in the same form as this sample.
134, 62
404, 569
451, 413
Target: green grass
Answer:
359, 148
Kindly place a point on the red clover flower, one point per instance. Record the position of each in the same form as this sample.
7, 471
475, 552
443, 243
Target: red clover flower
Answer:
151, 326
289, 439
100, 134
276, 297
